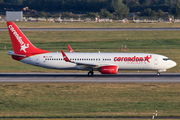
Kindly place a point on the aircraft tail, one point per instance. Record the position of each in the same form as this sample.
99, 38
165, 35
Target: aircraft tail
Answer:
21, 45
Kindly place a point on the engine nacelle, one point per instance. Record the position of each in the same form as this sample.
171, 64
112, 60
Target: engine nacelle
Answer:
109, 69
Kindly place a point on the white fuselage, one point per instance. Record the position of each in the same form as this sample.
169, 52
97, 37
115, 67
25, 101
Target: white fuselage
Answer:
106, 63
124, 61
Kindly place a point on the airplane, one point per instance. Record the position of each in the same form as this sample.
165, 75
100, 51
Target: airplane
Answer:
105, 63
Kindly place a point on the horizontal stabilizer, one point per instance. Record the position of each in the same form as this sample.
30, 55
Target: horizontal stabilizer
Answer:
12, 54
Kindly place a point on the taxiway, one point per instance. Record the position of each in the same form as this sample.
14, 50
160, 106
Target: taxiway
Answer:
95, 29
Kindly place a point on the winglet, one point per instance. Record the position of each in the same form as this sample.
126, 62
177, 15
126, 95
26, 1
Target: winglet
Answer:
65, 57
70, 49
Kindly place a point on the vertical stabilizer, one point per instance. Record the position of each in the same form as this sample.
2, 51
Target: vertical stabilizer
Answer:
21, 45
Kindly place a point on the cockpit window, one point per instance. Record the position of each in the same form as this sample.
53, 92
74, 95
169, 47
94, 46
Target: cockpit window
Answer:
165, 59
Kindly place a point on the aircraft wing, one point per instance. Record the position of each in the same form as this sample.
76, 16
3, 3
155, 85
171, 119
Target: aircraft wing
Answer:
86, 65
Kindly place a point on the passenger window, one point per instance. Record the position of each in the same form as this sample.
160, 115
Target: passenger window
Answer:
165, 59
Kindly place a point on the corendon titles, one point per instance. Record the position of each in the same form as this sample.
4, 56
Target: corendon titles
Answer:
133, 59
22, 44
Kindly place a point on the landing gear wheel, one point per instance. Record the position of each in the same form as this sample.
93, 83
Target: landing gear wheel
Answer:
90, 73
158, 74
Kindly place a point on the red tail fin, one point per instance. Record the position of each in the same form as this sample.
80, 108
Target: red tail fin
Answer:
20, 43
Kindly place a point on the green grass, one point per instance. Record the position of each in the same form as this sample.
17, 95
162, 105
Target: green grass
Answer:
92, 99
91, 25
161, 42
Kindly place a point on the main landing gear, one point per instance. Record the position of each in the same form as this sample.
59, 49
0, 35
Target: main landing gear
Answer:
90, 73
158, 74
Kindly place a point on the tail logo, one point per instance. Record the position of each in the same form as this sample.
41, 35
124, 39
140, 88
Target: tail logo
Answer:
23, 47
22, 44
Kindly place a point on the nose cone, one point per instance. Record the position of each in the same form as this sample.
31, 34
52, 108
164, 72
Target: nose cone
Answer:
172, 63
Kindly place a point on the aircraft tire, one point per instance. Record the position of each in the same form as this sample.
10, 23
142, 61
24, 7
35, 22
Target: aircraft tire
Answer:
158, 74
90, 73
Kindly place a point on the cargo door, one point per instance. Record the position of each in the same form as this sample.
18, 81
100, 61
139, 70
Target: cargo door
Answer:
37, 60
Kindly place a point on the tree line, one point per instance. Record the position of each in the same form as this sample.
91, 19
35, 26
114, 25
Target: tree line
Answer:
105, 7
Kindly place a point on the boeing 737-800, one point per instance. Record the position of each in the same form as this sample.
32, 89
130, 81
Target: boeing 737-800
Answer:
106, 63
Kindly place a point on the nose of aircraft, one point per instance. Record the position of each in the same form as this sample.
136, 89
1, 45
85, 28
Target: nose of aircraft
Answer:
172, 63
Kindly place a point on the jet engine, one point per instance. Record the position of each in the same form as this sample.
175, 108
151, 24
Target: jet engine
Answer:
109, 69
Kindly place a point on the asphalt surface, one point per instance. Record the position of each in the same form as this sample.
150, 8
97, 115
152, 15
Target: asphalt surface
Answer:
83, 78
94, 29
